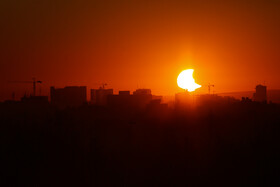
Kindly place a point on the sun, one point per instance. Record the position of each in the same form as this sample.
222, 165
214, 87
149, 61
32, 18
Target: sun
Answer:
186, 81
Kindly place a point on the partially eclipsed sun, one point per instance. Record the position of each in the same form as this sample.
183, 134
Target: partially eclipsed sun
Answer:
186, 81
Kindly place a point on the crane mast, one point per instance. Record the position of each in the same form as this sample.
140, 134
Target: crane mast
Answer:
34, 83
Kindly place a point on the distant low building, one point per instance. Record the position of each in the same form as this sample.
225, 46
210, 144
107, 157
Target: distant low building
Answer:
214, 100
183, 100
138, 100
157, 109
260, 94
142, 92
40, 100
186, 100
246, 100
124, 92
70, 96
100, 96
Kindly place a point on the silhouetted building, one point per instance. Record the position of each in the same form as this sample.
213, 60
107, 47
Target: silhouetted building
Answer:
70, 96
213, 100
183, 100
142, 92
186, 100
35, 99
246, 100
156, 109
124, 92
99, 96
260, 95
124, 99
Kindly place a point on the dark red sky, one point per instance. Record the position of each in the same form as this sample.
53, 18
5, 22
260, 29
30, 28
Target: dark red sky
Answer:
232, 44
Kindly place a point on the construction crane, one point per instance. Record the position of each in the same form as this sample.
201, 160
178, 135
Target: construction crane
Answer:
209, 87
34, 82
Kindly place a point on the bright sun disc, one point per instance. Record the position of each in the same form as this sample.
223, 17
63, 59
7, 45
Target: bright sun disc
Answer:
186, 81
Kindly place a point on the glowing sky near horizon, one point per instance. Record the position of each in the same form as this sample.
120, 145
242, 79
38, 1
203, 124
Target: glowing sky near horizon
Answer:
127, 44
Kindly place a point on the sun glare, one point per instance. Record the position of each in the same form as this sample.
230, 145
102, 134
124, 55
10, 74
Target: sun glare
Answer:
186, 81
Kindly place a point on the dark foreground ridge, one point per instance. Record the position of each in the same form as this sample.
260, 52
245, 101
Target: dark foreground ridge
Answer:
221, 144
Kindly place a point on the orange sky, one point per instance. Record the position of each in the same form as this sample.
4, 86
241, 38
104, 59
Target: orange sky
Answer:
146, 44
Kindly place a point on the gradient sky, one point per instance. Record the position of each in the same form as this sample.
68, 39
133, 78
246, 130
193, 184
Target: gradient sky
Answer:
145, 44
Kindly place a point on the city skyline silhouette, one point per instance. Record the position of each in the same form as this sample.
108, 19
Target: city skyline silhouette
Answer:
139, 93
230, 44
